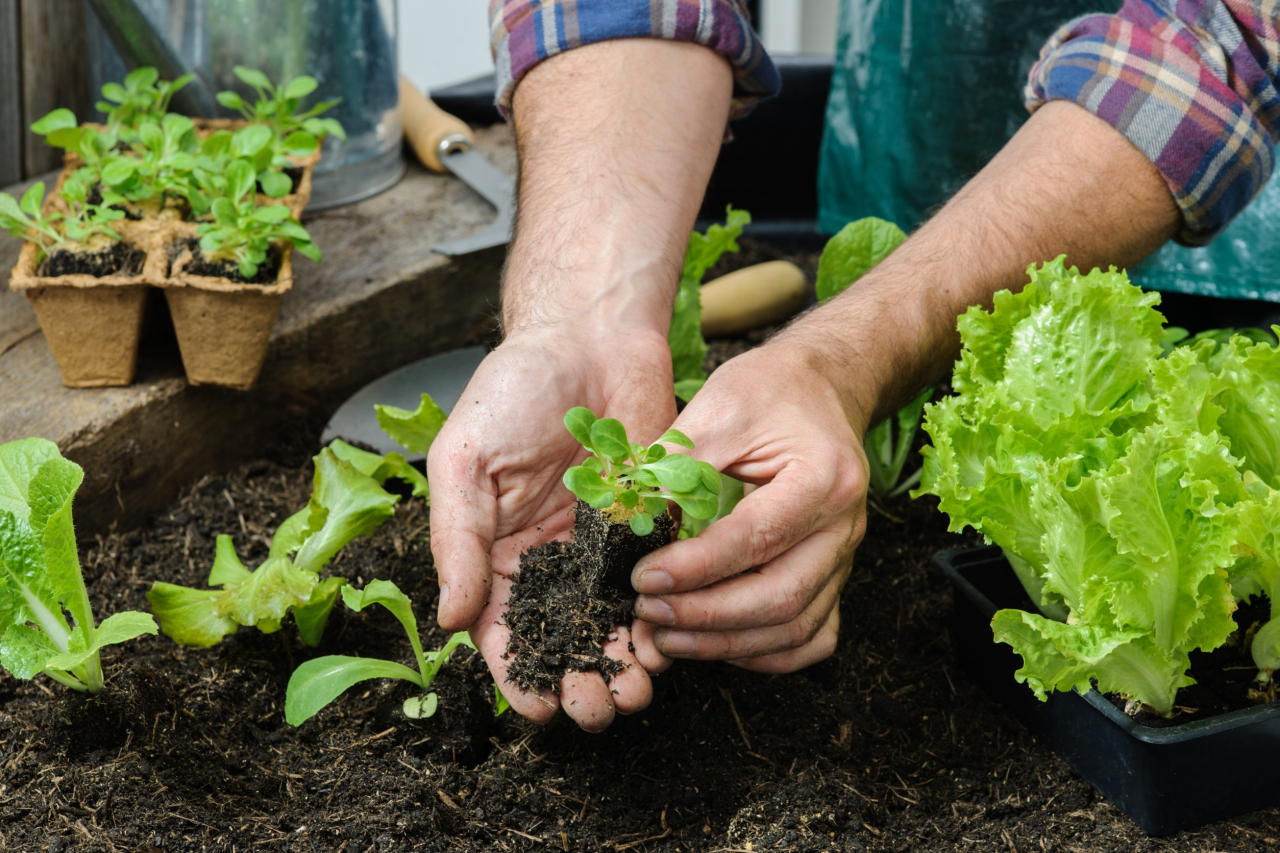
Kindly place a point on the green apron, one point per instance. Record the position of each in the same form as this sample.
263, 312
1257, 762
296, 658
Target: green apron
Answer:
925, 92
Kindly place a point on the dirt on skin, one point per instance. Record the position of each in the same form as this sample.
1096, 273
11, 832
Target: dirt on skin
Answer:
885, 746
568, 596
115, 259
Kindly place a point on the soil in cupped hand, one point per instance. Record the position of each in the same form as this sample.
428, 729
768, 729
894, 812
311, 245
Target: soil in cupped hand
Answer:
115, 258
568, 597
200, 265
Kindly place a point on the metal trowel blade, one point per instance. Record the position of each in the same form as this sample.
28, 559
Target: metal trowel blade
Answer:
442, 376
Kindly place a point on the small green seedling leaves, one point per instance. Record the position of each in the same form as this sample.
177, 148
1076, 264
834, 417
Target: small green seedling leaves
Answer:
415, 431
294, 133
40, 580
638, 478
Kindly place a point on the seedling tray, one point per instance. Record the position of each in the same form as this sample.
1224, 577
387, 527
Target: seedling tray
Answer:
1164, 779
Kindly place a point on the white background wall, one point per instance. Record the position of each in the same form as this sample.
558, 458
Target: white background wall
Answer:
447, 41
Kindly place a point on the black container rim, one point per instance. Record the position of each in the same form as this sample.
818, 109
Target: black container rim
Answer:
950, 563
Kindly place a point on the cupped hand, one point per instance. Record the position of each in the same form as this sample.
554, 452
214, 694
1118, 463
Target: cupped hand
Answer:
496, 490
760, 588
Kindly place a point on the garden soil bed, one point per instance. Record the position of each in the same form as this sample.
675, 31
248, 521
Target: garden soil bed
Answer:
884, 746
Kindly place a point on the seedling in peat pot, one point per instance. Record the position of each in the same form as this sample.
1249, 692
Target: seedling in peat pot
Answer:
213, 176
242, 233
318, 682
294, 133
86, 226
143, 96
40, 579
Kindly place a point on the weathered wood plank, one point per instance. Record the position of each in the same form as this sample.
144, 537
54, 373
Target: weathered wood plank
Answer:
55, 72
11, 130
379, 300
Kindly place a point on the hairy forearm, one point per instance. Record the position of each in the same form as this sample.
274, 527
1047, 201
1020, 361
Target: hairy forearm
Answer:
617, 141
1066, 183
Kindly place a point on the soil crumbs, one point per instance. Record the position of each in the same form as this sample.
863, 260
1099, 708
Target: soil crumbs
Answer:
885, 746
116, 259
200, 265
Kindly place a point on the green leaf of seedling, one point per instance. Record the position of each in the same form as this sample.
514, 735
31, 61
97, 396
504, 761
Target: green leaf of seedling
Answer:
31, 199
609, 438
300, 87
416, 430
645, 477
59, 119
654, 453
421, 707
380, 468
578, 421
141, 78
389, 596
587, 485
629, 498
187, 616
307, 249
248, 268
331, 127
318, 682
291, 533
113, 92
655, 506
275, 184
264, 597
227, 568
13, 214
701, 504
500, 702
345, 504
641, 524
686, 388
594, 464
240, 180
151, 135
25, 651
271, 214
312, 617
675, 436
181, 82
254, 78
710, 477
676, 471
115, 629
224, 210
248, 141
231, 100
857, 248
300, 143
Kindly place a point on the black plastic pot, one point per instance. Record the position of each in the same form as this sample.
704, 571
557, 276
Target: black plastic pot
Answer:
1164, 779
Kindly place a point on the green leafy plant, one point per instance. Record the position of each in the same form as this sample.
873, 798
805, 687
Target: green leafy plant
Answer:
95, 148
41, 584
243, 232
161, 164
318, 682
887, 449
347, 501
416, 430
143, 96
80, 226
212, 175
293, 133
639, 479
688, 347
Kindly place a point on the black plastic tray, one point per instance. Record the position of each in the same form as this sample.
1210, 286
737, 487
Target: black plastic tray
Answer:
1164, 779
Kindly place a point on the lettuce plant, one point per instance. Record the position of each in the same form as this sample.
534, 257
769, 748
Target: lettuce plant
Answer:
46, 621
243, 232
213, 178
293, 133
143, 96
81, 225
688, 347
319, 681
640, 479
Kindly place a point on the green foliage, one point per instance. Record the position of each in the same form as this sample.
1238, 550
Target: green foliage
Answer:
416, 430
85, 221
242, 232
143, 96
688, 348
293, 133
46, 623
640, 479
1130, 479
848, 255
731, 493
318, 682
887, 452
213, 177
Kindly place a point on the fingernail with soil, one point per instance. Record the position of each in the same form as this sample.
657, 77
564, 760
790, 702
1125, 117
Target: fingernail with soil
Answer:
655, 610
675, 643
653, 582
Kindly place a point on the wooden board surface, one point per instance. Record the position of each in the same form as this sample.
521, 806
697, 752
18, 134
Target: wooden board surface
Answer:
379, 300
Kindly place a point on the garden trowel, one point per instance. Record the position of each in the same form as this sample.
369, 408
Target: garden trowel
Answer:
742, 300
444, 143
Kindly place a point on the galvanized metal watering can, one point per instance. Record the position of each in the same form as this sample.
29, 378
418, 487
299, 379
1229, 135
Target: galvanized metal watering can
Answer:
349, 46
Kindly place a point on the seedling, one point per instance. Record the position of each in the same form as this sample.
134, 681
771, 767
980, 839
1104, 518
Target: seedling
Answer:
212, 172
640, 479
886, 457
81, 226
164, 156
242, 232
294, 133
144, 96
40, 579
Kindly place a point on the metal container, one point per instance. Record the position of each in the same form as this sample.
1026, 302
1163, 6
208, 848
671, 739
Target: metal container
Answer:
349, 46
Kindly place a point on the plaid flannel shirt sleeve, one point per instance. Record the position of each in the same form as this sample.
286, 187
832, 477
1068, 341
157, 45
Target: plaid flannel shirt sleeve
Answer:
525, 32
1191, 83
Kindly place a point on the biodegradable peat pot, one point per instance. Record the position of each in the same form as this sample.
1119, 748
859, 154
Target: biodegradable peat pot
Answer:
223, 326
92, 323
609, 548
1164, 779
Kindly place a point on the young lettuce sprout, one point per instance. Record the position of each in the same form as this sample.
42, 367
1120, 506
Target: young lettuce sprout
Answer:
242, 232
212, 174
641, 479
318, 682
885, 457
40, 579
142, 96
85, 221
293, 133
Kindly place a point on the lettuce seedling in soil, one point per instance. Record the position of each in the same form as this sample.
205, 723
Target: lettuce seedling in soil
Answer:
347, 501
80, 241
143, 96
319, 681
567, 596
294, 133
41, 584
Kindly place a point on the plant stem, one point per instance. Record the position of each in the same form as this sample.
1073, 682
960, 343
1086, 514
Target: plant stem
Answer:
69, 680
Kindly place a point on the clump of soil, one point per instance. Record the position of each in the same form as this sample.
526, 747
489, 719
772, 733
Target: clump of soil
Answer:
267, 273
568, 596
114, 259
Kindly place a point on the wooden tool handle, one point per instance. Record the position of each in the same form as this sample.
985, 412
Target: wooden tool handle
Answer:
426, 126
751, 297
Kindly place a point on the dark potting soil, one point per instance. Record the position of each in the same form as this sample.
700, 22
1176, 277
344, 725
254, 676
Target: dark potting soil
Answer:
200, 265
568, 596
115, 259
